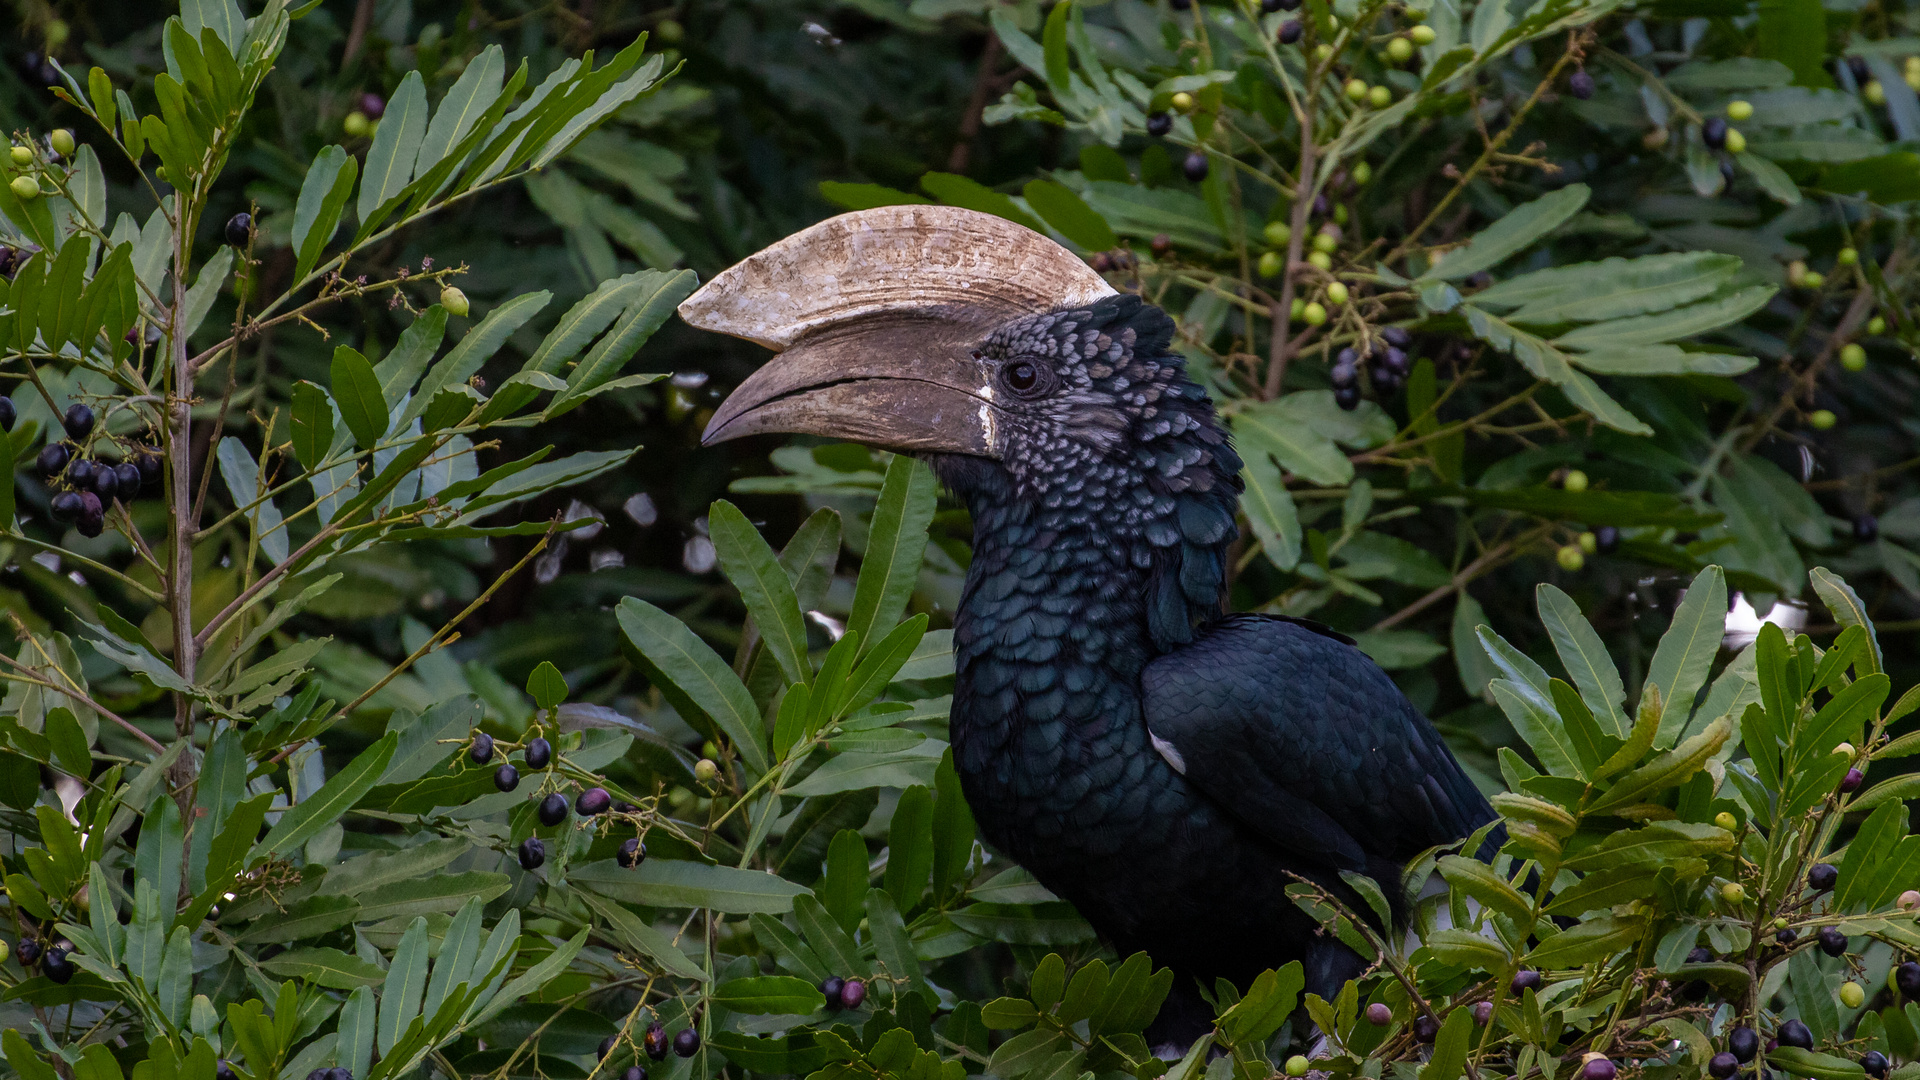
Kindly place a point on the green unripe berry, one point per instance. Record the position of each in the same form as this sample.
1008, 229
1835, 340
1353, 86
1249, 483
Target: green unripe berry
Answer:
1733, 893
1576, 481
1277, 233
1321, 53
454, 301
1796, 272
62, 141
25, 188
1876, 326
1589, 543
1570, 558
1739, 110
1874, 92
1362, 173
1297, 1065
1313, 314
1736, 142
1853, 357
670, 31
1182, 101
1422, 35
1356, 89
1726, 820
356, 124
1299, 309
1340, 214
1325, 242
1337, 293
1852, 995
57, 33
1813, 279
1415, 15
1400, 50
1847, 256
1271, 264
705, 770
1780, 922
1320, 260
1379, 97
23, 155
1822, 419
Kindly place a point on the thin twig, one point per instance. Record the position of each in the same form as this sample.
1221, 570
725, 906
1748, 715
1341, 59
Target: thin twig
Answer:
1474, 569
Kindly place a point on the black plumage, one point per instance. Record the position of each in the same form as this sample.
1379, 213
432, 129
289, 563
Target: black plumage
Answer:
1167, 769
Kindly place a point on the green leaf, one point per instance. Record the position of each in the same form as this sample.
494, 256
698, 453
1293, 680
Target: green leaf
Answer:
1798, 1062
466, 102
1686, 652
639, 936
405, 983
1477, 879
1670, 769
1450, 1047
655, 294
680, 884
890, 940
1516, 231
311, 420
853, 770
868, 196
1586, 942
316, 213
910, 848
1612, 288
1270, 511
956, 190
1794, 33
1847, 610
764, 587
330, 968
1069, 213
474, 349
333, 799
761, 995
546, 686
156, 857
1538, 725
1586, 659
357, 394
396, 146
896, 544
354, 1050
693, 677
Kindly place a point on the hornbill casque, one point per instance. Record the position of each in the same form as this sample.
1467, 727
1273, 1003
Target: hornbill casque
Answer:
1163, 765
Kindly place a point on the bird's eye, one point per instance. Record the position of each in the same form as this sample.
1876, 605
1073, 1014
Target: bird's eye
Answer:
1021, 376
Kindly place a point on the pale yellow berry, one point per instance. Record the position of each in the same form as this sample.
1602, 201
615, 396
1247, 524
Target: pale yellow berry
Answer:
22, 155
1733, 892
1570, 558
454, 301
1337, 293
1576, 481
1320, 260
1379, 97
1271, 264
705, 770
1739, 110
1326, 242
1874, 92
1277, 233
25, 188
1822, 419
1182, 101
1852, 995
62, 141
1726, 820
1313, 314
1736, 142
1399, 50
356, 124
1356, 89
1422, 35
1589, 543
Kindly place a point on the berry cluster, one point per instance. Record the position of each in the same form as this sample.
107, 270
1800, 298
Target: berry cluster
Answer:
84, 486
53, 962
843, 993
1387, 367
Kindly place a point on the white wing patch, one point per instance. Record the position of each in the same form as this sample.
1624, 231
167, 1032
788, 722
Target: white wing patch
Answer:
1170, 752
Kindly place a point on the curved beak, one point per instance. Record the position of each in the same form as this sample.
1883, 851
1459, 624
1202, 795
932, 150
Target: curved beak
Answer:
904, 380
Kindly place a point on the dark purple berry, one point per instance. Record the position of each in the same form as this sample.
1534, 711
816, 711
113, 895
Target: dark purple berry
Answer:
1347, 397
1526, 979
1379, 1014
1726, 170
1482, 1012
1425, 1028
1785, 937
1384, 380
539, 752
80, 474
65, 506
830, 989
1723, 1065
56, 966
92, 524
1580, 85
1714, 132
634, 1072
1743, 1044
1832, 941
53, 458
1858, 65
1343, 376
1180, 5
223, 1071
1598, 1069
553, 809
532, 853
655, 1041
317, 1074
1866, 528
7, 414
594, 800
686, 1042
1195, 166
127, 475
1852, 781
239, 229
1396, 361
1700, 956
1821, 876
1269, 6
481, 751
1875, 1063
1479, 280
1321, 206
506, 778
78, 421
1289, 5
1907, 978
1606, 539
373, 105
632, 852
1158, 124
27, 951
1396, 337
606, 1046
1290, 31
339, 1072
1795, 1033
105, 484
149, 465
852, 993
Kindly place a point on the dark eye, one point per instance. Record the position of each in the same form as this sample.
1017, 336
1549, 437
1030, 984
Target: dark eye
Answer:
1021, 376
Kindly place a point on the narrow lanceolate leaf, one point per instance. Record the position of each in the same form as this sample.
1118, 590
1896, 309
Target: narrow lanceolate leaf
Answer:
472, 93
693, 677
1847, 610
1670, 769
764, 588
1270, 511
1519, 229
656, 294
356, 390
1539, 726
1685, 655
334, 798
1586, 659
895, 547
354, 1051
406, 982
316, 214
1616, 288
475, 349
396, 146
311, 418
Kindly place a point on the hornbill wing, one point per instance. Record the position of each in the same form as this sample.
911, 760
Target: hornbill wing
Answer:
1303, 738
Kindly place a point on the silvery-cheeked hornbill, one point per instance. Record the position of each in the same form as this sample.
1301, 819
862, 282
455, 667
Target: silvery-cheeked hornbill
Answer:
1164, 766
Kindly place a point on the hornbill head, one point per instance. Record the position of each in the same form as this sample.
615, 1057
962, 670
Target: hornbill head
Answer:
912, 328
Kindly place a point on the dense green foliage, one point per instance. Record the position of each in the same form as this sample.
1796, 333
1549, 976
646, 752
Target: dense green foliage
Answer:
390, 469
